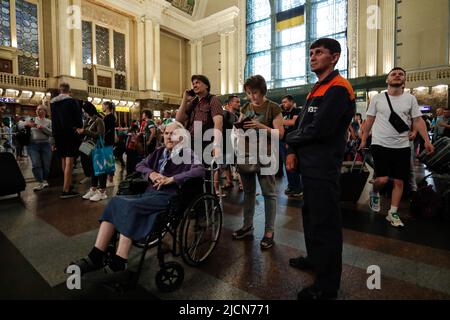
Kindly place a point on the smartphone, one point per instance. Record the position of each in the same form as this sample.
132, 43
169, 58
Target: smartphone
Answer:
191, 92
240, 124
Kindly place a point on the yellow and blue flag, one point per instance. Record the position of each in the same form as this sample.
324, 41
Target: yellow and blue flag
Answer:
290, 18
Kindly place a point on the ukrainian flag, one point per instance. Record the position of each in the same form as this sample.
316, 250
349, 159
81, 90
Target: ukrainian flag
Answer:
290, 18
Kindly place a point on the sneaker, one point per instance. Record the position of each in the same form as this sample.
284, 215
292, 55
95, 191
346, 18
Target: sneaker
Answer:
99, 196
243, 232
85, 180
39, 187
69, 194
394, 219
45, 184
374, 201
89, 194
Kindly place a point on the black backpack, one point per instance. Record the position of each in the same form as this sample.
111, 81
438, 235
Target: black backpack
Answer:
23, 136
426, 202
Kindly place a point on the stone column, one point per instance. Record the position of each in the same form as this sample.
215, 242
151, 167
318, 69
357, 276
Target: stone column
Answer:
149, 56
388, 7
157, 76
77, 57
352, 37
199, 56
232, 65
140, 40
223, 63
64, 46
193, 56
373, 23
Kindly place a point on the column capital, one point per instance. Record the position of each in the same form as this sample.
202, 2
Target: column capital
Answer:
227, 30
197, 41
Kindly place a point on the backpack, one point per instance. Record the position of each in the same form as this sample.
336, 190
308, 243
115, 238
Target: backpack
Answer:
426, 202
23, 136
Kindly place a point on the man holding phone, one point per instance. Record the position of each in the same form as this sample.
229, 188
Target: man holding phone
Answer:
199, 106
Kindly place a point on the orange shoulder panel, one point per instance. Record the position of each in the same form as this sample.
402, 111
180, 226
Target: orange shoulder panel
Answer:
336, 81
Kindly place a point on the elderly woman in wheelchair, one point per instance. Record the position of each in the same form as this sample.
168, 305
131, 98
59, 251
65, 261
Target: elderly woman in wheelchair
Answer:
133, 216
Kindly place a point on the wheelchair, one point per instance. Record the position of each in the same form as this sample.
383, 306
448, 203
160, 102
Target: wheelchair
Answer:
193, 222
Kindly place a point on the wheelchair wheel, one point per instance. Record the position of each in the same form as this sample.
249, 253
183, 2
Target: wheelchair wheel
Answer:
200, 229
170, 277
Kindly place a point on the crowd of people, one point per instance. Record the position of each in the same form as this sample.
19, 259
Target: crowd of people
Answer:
313, 141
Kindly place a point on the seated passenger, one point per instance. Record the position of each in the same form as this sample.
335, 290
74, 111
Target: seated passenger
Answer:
133, 216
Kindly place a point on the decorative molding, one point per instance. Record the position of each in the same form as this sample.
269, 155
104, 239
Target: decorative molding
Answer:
100, 14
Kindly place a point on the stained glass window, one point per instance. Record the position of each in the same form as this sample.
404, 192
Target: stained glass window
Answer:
5, 23
282, 56
27, 38
119, 51
87, 42
102, 39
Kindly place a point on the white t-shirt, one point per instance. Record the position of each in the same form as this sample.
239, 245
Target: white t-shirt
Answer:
383, 133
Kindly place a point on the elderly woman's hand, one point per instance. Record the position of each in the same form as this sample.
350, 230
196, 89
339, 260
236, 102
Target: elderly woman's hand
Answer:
163, 181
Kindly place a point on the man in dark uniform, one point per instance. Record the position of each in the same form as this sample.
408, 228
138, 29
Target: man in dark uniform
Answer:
316, 148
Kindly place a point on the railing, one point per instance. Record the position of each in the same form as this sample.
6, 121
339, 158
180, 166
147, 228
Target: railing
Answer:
112, 93
17, 82
438, 74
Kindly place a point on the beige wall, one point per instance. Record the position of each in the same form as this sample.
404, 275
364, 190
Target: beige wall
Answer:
424, 33
211, 61
48, 37
362, 28
173, 64
219, 5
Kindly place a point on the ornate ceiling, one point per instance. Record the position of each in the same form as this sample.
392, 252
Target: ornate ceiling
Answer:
184, 5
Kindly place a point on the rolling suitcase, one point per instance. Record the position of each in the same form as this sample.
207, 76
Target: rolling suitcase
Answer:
439, 161
353, 179
11, 178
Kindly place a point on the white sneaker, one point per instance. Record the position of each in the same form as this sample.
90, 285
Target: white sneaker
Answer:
89, 194
374, 201
45, 184
394, 219
85, 180
99, 196
39, 187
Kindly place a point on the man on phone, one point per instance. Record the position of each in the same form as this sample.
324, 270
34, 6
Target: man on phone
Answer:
199, 106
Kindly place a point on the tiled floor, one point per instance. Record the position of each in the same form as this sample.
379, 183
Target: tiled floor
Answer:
41, 233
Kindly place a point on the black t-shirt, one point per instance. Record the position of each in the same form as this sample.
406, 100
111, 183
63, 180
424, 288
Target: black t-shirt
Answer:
110, 127
288, 115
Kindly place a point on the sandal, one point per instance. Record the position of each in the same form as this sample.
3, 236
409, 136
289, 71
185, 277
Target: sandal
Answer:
267, 242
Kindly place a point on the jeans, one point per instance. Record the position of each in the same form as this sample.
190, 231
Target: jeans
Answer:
294, 178
41, 157
268, 188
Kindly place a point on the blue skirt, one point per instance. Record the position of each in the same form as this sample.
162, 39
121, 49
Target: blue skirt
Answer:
134, 216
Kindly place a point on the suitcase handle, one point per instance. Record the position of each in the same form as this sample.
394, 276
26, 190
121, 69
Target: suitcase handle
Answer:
354, 160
